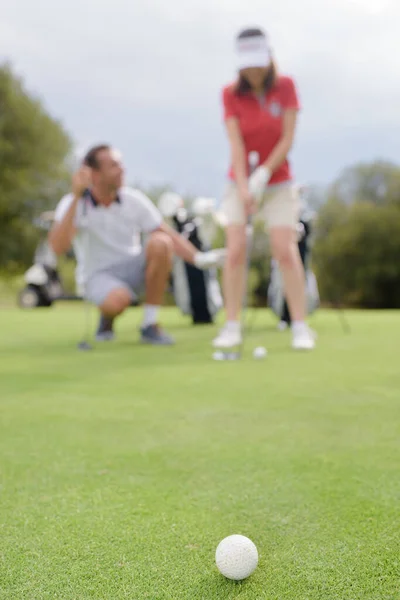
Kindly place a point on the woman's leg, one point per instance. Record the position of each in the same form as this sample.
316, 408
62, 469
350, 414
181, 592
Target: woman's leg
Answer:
233, 284
233, 275
286, 251
234, 271
281, 214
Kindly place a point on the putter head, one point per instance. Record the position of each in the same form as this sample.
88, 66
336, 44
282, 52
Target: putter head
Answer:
84, 346
223, 355
232, 355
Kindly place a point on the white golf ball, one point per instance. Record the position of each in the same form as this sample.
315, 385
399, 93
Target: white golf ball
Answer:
260, 352
236, 557
218, 355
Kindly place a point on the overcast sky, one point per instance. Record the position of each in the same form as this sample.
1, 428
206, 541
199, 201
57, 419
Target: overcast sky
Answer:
146, 75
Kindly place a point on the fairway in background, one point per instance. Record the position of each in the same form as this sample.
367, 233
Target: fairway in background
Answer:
122, 469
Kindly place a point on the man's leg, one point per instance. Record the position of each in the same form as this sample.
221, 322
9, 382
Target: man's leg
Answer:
114, 289
116, 301
159, 252
112, 295
159, 255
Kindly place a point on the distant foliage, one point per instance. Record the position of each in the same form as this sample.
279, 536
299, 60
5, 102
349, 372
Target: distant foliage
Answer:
356, 251
34, 149
356, 233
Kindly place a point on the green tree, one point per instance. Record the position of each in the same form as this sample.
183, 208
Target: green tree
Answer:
34, 173
356, 254
357, 237
377, 182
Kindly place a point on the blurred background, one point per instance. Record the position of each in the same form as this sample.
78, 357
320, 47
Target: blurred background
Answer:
147, 77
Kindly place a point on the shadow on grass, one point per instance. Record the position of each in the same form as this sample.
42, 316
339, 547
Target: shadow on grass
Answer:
218, 587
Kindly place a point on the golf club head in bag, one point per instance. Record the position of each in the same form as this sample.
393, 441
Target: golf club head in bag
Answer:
169, 204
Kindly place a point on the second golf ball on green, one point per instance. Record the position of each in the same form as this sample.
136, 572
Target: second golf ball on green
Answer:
260, 352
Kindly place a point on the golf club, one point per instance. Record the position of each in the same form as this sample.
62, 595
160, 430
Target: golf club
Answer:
237, 354
343, 320
84, 344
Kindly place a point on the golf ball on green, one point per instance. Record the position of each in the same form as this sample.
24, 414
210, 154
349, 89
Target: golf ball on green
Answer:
259, 352
236, 557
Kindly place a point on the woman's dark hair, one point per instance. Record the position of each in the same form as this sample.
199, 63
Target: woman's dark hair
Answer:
243, 86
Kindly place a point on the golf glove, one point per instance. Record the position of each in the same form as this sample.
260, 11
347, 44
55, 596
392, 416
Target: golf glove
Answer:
258, 182
213, 258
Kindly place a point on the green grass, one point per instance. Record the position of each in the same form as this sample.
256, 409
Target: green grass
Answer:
122, 469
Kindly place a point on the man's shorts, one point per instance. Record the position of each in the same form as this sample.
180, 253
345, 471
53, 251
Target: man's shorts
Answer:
279, 207
129, 274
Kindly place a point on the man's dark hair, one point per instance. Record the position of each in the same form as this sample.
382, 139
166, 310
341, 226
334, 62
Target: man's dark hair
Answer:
91, 158
243, 86
249, 33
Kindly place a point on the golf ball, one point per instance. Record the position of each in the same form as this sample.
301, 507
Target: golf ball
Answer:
260, 352
236, 557
218, 355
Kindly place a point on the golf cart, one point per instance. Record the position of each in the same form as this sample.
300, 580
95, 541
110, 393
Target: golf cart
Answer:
44, 285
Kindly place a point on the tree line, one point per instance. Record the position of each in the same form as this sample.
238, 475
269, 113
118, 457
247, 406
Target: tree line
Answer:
356, 230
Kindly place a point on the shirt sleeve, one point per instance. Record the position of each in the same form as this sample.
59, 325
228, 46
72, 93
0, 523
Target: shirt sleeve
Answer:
147, 214
290, 97
62, 209
229, 103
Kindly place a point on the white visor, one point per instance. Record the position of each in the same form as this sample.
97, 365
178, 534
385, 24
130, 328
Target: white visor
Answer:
252, 52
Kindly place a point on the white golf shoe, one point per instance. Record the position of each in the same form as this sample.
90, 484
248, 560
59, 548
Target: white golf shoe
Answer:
228, 337
303, 338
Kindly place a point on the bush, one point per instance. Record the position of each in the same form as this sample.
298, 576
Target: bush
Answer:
356, 254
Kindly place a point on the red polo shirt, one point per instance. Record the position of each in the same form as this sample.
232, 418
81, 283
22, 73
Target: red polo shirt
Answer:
261, 120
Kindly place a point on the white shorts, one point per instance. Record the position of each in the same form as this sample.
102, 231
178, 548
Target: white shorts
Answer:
279, 207
129, 274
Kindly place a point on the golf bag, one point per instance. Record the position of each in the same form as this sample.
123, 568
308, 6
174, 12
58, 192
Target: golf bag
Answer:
276, 297
196, 292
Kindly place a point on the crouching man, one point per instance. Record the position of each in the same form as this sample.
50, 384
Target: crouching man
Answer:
104, 222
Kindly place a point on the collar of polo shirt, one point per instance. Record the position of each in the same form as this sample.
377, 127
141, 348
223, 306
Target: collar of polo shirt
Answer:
89, 196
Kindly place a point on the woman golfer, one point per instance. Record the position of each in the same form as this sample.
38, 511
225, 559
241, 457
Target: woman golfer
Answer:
260, 112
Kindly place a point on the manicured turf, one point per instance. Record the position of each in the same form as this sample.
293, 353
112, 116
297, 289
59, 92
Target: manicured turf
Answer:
122, 469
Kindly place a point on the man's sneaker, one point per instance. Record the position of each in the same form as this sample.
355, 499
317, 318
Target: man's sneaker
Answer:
105, 332
228, 337
303, 338
153, 334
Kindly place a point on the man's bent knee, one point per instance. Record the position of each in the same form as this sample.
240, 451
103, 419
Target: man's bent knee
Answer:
159, 244
116, 302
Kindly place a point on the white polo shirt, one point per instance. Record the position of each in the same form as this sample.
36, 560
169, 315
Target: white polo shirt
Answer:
108, 235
